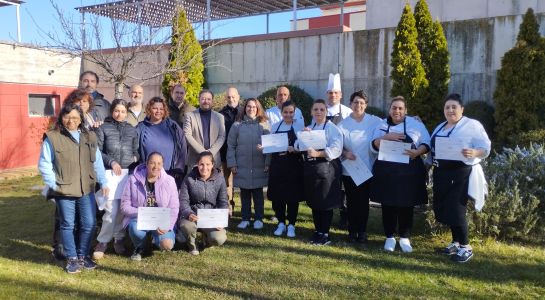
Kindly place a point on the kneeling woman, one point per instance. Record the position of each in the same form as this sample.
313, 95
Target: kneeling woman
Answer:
322, 174
453, 179
150, 186
398, 186
203, 188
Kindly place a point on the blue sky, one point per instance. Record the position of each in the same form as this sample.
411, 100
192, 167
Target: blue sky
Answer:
39, 15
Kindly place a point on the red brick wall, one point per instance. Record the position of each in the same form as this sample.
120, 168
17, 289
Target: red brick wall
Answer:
20, 135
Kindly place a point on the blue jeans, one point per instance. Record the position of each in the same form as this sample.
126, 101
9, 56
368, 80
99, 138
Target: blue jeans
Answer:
84, 209
138, 237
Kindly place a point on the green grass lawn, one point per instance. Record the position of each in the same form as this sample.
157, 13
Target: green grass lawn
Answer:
258, 265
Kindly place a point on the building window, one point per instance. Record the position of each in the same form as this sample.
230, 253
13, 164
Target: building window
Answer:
41, 105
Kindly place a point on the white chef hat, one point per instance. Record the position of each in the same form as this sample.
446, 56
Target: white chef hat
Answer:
334, 82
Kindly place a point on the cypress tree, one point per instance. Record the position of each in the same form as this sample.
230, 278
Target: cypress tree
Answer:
185, 62
433, 48
520, 88
408, 75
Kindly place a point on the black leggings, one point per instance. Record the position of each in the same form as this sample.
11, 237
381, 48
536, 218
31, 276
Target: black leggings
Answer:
357, 200
279, 208
322, 220
400, 217
459, 234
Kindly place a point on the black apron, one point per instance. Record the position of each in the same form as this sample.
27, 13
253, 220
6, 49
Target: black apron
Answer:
398, 184
450, 185
322, 182
337, 118
285, 173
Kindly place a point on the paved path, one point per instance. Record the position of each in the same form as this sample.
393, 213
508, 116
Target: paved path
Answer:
18, 173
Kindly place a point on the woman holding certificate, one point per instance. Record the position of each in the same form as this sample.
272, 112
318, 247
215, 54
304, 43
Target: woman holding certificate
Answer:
286, 174
399, 175
322, 172
357, 130
150, 186
203, 188
247, 162
455, 177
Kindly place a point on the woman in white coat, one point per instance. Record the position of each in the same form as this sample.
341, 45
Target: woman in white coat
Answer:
457, 179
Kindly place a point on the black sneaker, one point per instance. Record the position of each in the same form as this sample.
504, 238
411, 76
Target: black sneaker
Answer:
73, 265
463, 255
316, 238
362, 238
87, 263
324, 240
352, 237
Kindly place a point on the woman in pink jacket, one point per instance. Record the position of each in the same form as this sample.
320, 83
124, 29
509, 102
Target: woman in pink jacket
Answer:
150, 186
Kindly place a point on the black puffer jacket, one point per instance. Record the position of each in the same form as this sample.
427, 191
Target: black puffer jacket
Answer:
118, 141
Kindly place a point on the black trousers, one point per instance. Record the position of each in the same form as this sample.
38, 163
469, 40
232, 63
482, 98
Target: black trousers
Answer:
460, 234
322, 220
280, 208
400, 218
357, 202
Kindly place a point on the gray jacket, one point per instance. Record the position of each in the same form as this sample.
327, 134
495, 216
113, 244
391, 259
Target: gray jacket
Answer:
196, 193
242, 153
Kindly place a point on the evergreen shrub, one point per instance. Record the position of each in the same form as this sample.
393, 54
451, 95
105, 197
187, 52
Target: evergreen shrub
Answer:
482, 112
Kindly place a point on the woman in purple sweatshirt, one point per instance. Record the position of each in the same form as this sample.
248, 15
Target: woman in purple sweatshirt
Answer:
150, 186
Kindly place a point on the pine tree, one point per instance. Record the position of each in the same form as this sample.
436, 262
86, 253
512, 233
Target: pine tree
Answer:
185, 64
408, 75
520, 88
433, 48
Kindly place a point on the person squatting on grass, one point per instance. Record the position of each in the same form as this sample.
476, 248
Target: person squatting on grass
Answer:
118, 143
69, 163
203, 188
150, 186
455, 181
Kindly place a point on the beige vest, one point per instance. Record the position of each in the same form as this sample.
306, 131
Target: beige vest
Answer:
73, 163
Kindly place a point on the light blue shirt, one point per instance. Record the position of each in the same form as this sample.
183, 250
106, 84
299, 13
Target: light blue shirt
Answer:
47, 157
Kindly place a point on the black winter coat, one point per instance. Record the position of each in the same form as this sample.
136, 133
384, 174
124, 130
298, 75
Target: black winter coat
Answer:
118, 141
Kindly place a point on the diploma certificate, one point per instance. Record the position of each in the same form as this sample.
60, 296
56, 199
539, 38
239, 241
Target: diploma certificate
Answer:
151, 218
213, 218
450, 148
394, 151
276, 142
357, 170
314, 139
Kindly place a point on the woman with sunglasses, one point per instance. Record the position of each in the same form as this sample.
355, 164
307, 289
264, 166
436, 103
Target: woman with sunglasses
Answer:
159, 133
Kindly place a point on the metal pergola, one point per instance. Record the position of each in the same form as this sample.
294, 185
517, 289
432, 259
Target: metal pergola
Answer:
17, 4
159, 13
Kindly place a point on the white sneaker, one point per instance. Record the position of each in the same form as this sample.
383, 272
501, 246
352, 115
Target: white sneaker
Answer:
194, 252
243, 224
291, 231
280, 229
258, 224
405, 245
390, 244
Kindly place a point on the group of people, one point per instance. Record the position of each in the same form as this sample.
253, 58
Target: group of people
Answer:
186, 158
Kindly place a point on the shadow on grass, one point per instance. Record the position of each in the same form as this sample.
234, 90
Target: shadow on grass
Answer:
479, 269
56, 290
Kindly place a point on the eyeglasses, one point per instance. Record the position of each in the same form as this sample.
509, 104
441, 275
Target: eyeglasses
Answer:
65, 118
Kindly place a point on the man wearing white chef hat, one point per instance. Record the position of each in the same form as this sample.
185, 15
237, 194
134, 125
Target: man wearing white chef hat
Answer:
335, 110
